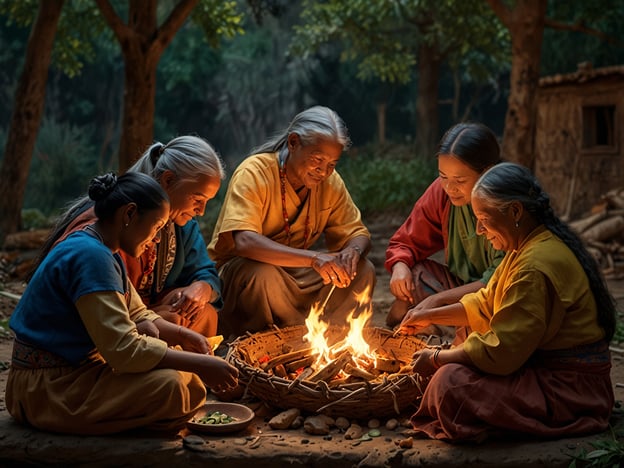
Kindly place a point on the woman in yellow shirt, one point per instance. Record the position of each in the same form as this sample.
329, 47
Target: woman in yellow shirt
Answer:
537, 360
281, 201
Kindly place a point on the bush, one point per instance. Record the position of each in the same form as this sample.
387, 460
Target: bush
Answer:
386, 179
63, 163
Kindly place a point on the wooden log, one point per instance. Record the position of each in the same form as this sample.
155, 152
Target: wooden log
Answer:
284, 358
387, 365
332, 369
307, 372
582, 224
359, 373
604, 230
299, 363
615, 198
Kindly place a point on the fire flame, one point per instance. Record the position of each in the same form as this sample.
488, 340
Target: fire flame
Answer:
354, 342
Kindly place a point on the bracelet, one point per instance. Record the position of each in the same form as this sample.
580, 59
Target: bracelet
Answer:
434, 359
316, 255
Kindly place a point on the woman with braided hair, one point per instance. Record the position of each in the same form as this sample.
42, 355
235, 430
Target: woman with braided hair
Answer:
176, 278
537, 359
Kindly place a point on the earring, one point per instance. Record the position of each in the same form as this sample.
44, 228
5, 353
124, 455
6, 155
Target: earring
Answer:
517, 224
126, 225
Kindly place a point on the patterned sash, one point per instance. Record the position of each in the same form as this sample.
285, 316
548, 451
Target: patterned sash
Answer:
26, 356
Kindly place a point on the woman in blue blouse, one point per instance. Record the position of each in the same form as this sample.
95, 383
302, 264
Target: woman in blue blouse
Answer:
79, 364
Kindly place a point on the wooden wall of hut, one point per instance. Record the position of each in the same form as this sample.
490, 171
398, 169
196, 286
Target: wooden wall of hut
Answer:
574, 173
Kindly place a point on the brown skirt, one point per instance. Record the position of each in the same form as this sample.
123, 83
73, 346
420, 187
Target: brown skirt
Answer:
93, 399
553, 396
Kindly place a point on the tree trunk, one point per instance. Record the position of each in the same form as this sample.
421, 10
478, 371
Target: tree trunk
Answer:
526, 26
142, 44
381, 122
26, 118
137, 130
427, 101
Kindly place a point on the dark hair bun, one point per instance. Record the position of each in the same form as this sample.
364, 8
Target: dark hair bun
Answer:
101, 186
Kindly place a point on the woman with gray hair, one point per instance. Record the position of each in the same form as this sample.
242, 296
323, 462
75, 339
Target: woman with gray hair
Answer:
175, 277
279, 203
537, 359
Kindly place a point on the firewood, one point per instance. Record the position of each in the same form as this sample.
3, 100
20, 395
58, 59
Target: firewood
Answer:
360, 373
332, 369
284, 358
615, 198
582, 224
299, 363
307, 372
604, 230
387, 365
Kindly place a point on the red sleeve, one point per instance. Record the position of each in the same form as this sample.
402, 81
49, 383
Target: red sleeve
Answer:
424, 232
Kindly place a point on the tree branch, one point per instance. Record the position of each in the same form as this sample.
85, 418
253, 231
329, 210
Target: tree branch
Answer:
120, 29
582, 28
501, 10
174, 22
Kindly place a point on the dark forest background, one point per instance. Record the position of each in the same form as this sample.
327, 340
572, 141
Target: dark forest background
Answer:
282, 57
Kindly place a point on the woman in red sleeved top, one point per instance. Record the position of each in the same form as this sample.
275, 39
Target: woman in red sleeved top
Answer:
442, 219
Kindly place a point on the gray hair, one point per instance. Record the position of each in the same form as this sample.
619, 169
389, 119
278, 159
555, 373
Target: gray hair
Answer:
312, 125
188, 157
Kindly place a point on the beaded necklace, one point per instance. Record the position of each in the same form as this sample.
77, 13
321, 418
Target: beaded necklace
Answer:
306, 232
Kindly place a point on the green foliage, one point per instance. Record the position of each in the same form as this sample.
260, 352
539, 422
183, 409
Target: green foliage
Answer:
384, 36
388, 179
33, 218
618, 337
218, 19
607, 453
61, 168
563, 50
79, 25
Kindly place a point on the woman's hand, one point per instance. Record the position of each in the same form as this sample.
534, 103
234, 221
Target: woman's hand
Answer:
218, 374
423, 362
332, 269
189, 301
415, 320
192, 341
148, 328
402, 282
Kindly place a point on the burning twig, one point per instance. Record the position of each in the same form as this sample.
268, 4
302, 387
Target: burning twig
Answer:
360, 373
331, 369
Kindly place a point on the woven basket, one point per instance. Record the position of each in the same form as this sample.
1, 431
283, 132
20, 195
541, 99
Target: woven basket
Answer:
383, 397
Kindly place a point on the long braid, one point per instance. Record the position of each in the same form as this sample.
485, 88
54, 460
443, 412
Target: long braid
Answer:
604, 300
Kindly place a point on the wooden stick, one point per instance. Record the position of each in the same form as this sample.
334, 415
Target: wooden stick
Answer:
299, 363
284, 358
331, 369
357, 372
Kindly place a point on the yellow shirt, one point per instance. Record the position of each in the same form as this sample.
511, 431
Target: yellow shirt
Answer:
538, 298
253, 202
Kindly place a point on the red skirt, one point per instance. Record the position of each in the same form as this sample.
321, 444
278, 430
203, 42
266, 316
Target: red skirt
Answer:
557, 394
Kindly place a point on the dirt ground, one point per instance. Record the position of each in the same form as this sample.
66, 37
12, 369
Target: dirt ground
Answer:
260, 445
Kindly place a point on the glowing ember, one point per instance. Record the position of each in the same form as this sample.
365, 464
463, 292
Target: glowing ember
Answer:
354, 342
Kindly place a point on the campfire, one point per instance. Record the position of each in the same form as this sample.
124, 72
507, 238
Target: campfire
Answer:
354, 371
